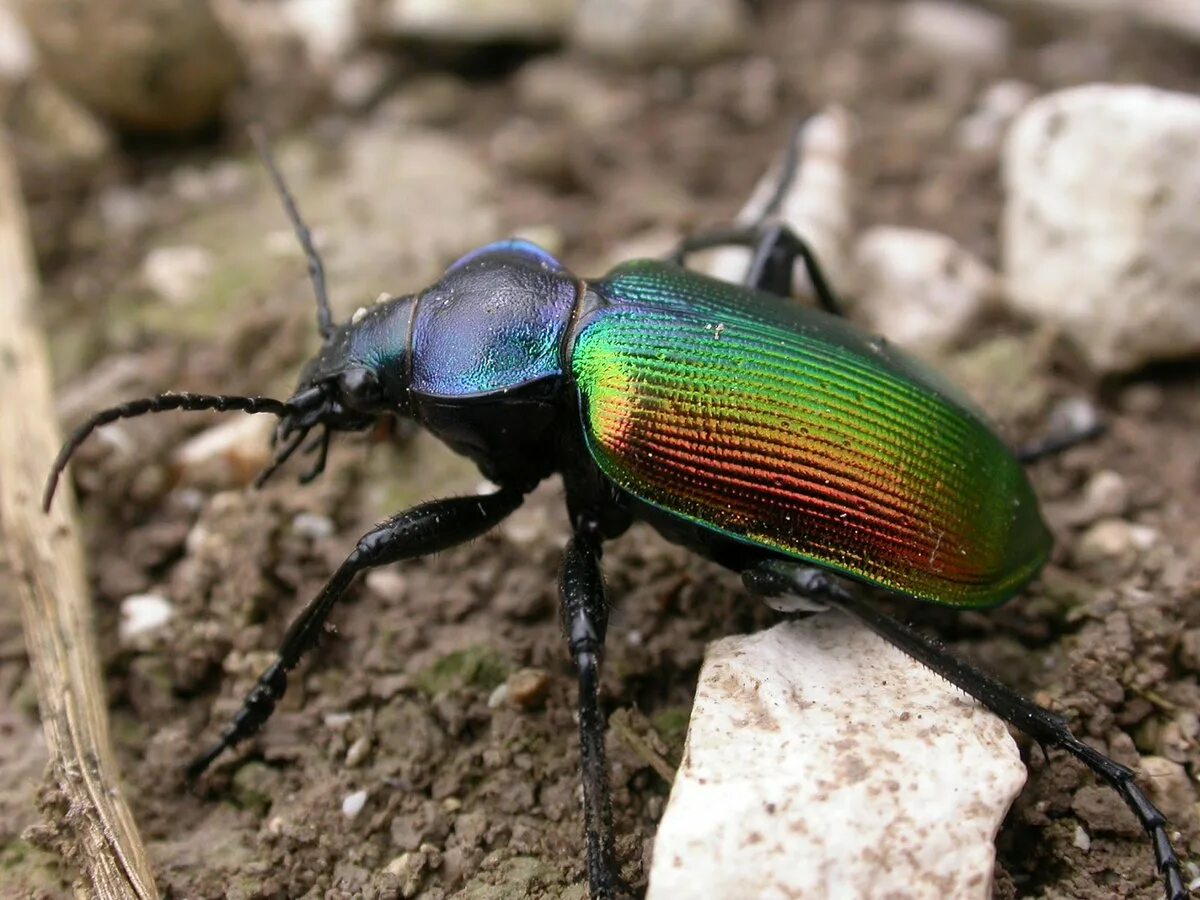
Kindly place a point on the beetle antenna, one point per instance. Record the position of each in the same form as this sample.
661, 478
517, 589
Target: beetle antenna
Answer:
316, 269
160, 403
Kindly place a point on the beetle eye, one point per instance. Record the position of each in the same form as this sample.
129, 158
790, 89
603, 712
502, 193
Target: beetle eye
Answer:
359, 389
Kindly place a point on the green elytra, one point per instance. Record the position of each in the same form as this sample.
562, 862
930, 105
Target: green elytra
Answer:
782, 426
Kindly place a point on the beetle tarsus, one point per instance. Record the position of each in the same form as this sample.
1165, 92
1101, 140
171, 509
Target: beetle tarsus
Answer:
419, 531
585, 621
1054, 444
1045, 727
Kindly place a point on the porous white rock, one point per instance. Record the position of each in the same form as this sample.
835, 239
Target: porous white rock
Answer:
816, 205
141, 614
823, 762
659, 32
955, 31
469, 21
1101, 235
922, 289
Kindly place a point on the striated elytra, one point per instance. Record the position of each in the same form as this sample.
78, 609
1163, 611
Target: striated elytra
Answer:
778, 440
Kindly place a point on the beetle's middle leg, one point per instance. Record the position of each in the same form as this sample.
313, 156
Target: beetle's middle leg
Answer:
585, 620
778, 577
424, 529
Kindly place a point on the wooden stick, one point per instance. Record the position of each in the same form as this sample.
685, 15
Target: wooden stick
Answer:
46, 563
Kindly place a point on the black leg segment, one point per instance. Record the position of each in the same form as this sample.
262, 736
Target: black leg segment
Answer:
776, 577
419, 531
775, 250
585, 620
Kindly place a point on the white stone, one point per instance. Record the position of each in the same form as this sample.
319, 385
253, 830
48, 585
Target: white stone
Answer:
476, 20
1180, 17
983, 129
353, 804
659, 32
816, 206
226, 455
955, 31
141, 614
823, 762
919, 288
1101, 235
177, 273
17, 56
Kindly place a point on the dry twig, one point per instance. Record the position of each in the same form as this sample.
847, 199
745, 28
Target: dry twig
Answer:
47, 574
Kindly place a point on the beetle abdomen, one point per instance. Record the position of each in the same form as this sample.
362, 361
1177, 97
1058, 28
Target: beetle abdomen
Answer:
786, 428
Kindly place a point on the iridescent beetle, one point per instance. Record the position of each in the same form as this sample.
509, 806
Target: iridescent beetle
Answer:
779, 441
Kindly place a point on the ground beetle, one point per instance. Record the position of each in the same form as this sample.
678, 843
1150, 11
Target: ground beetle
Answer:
778, 440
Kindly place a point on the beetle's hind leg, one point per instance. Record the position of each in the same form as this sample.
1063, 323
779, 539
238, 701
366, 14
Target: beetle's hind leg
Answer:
585, 621
419, 531
775, 249
776, 577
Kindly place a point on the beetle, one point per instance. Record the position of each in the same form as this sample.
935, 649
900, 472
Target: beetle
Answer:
776, 439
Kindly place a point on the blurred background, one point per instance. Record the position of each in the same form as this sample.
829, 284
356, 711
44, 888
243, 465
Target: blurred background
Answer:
1035, 238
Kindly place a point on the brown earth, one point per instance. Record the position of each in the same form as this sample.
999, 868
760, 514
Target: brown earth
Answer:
471, 801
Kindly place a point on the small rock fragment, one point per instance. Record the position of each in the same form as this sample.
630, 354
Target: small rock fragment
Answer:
984, 128
922, 289
357, 752
177, 273
823, 762
1105, 495
312, 526
659, 32
527, 688
957, 32
353, 804
1101, 235
1169, 786
1114, 541
474, 21
17, 56
1082, 839
143, 613
148, 65
226, 455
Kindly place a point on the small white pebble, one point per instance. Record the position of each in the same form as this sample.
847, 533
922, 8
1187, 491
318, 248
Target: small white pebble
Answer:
1082, 839
312, 526
177, 273
498, 696
337, 720
634, 638
353, 804
141, 613
358, 751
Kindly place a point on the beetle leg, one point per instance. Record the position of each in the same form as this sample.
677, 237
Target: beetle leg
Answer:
421, 530
776, 248
775, 577
585, 620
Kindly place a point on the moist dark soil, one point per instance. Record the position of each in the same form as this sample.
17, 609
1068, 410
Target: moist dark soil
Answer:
469, 793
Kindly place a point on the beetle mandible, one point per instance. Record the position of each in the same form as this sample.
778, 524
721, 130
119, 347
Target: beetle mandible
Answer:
777, 440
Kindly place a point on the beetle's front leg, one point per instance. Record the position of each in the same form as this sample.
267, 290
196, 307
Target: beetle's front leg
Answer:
778, 577
585, 620
421, 530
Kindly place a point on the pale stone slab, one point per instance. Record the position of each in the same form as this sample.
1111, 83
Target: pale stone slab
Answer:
823, 762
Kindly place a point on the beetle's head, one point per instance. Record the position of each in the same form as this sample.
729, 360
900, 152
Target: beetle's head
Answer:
358, 376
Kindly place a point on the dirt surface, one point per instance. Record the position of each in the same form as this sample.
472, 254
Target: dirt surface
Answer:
476, 799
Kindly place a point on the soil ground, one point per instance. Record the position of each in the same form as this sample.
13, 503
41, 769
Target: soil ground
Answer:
473, 800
